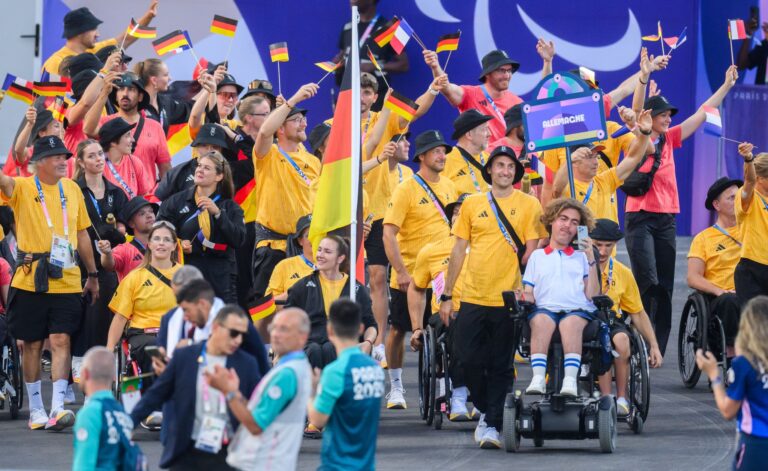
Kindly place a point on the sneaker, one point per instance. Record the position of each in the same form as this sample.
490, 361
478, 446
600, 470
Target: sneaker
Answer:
459, 412
490, 440
622, 407
380, 355
153, 422
396, 399
569, 387
37, 419
69, 396
521, 359
60, 419
538, 385
45, 360
310, 431
77, 363
481, 428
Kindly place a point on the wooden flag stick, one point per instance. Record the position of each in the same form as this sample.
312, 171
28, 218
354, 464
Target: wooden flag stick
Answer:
279, 83
732, 140
125, 36
418, 40
229, 49
730, 41
324, 76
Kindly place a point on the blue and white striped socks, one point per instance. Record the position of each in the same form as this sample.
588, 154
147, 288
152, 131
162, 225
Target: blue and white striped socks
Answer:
572, 363
539, 364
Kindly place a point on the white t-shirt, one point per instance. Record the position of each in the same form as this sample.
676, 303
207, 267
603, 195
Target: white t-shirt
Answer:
557, 278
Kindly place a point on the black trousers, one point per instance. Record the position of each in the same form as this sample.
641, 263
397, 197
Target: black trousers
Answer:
194, 459
244, 255
484, 348
94, 327
320, 354
137, 342
264, 261
455, 369
726, 307
652, 251
751, 280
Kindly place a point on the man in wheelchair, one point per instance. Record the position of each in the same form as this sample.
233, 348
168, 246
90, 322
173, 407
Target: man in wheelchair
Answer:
561, 282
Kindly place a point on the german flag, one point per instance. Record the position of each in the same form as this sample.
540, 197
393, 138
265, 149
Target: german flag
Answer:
328, 66
385, 33
142, 32
279, 52
448, 42
262, 308
401, 105
50, 88
178, 138
59, 109
373, 60
223, 26
172, 42
18, 89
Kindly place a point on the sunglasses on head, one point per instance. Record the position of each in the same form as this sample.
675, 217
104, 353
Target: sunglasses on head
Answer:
164, 224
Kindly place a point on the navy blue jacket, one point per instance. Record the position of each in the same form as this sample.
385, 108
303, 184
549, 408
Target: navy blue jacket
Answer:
178, 384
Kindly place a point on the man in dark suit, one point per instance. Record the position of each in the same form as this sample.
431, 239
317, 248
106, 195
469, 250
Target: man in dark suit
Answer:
198, 424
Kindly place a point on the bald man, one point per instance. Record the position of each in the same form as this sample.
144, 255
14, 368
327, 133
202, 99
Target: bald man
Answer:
272, 421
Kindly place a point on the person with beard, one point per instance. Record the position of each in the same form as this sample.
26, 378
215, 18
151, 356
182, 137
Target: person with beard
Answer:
81, 32
130, 98
464, 164
138, 216
163, 107
415, 217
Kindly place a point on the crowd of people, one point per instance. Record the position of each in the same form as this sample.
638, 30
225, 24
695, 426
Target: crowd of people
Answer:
109, 249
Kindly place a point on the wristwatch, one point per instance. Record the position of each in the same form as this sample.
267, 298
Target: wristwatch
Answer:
445, 297
93, 274
231, 395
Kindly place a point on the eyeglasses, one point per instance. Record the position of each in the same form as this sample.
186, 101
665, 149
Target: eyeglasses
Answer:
258, 114
228, 95
300, 119
164, 224
505, 71
234, 333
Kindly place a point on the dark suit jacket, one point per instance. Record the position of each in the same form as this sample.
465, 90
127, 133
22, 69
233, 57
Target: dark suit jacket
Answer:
179, 382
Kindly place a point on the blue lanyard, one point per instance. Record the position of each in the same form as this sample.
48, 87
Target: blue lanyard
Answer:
765, 205
432, 196
499, 114
297, 355
503, 229
41, 197
367, 31
120, 180
589, 192
95, 203
306, 260
194, 215
610, 273
295, 166
724, 232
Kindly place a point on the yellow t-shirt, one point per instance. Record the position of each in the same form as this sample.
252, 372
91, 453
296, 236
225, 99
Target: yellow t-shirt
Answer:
397, 176
53, 63
143, 299
331, 290
619, 284
602, 198
414, 213
492, 265
431, 270
755, 226
463, 174
553, 159
286, 273
720, 254
376, 182
282, 195
33, 234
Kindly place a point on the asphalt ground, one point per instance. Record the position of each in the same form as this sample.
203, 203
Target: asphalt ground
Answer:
684, 431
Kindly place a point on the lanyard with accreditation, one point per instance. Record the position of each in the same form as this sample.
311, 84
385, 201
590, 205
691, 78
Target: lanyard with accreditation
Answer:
295, 167
62, 253
435, 200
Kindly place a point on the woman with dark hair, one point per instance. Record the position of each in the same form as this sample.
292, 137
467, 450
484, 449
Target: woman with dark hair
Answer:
210, 223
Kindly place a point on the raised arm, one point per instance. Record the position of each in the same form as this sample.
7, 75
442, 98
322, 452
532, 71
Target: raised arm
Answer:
750, 177
92, 117
206, 95
386, 154
638, 148
77, 113
427, 98
277, 117
375, 135
546, 51
145, 20
20, 147
690, 125
452, 92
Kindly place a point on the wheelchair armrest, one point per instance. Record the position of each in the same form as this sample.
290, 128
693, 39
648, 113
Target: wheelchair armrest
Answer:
602, 302
510, 303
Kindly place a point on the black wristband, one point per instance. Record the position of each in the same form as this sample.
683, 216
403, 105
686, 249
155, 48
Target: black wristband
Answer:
645, 133
93, 274
749, 161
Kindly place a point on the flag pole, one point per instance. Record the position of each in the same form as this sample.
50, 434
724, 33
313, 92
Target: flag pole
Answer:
324, 76
730, 41
732, 140
355, 148
449, 55
229, 49
379, 68
279, 83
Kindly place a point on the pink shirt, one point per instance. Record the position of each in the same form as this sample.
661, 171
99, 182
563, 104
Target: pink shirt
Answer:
132, 172
662, 197
5, 278
475, 98
13, 169
73, 135
127, 257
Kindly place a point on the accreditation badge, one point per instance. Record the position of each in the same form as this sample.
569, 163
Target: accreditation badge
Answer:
211, 434
62, 253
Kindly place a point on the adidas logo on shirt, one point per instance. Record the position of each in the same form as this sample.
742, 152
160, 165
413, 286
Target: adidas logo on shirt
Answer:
719, 247
461, 173
295, 276
184, 210
190, 177
484, 214
147, 283
311, 284
138, 257
424, 201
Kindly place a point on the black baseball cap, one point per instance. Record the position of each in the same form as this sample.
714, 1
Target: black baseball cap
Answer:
468, 121
212, 134
658, 104
47, 147
717, 188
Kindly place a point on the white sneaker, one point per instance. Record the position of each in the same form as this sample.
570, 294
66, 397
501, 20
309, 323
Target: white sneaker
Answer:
569, 387
480, 429
622, 407
379, 354
153, 422
38, 418
60, 419
459, 412
396, 399
69, 396
538, 385
490, 440
77, 364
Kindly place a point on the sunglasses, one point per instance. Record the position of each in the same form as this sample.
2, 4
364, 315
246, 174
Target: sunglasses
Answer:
164, 224
263, 84
234, 333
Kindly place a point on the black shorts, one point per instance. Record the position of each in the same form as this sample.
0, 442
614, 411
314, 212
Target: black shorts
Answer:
619, 327
34, 316
398, 310
374, 245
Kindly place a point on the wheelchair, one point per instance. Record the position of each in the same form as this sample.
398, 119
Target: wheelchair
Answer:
586, 416
125, 366
11, 378
699, 329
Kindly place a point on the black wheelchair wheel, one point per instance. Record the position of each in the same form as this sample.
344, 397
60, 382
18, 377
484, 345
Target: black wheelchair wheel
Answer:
606, 421
510, 430
432, 372
119, 371
691, 337
640, 375
423, 376
16, 377
717, 345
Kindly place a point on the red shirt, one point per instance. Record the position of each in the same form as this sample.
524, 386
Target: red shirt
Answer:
132, 171
5, 278
475, 98
127, 257
662, 197
13, 169
73, 135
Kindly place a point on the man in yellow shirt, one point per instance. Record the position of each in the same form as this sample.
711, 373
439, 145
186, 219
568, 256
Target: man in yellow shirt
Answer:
285, 173
714, 254
398, 171
415, 216
464, 164
501, 228
46, 301
619, 284
81, 32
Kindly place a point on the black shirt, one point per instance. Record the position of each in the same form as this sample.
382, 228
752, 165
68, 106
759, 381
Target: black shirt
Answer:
382, 54
758, 57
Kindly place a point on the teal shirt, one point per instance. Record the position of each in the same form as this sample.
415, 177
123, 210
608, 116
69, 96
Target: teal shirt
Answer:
278, 393
350, 392
92, 450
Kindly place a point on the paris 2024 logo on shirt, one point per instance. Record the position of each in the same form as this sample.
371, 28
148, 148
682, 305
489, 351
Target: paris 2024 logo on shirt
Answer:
368, 382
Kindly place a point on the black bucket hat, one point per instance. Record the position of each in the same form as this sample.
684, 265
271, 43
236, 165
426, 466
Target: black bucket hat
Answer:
81, 81
658, 104
318, 134
513, 117
79, 21
468, 121
112, 130
230, 80
129, 79
212, 134
451, 206
104, 53
495, 59
81, 62
131, 208
303, 223
427, 141
43, 119
606, 229
261, 86
509, 152
717, 188
48, 146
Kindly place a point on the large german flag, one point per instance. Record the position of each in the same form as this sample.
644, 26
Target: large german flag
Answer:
279, 52
171, 42
223, 25
448, 42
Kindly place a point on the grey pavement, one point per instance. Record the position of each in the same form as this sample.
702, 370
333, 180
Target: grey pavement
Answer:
684, 431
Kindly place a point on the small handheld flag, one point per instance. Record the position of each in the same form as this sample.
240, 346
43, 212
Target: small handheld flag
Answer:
262, 308
654, 37
676, 41
402, 35
278, 52
713, 124
376, 64
59, 109
385, 33
448, 42
223, 26
175, 42
736, 30
49, 88
401, 105
329, 67
142, 32
18, 89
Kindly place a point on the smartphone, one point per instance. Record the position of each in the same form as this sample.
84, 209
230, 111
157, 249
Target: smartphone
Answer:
154, 351
369, 218
754, 13
581, 235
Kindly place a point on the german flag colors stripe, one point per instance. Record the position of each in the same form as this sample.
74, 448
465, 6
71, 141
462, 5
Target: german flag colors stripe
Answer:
448, 42
171, 42
142, 32
328, 66
373, 60
223, 26
20, 93
401, 105
279, 52
59, 109
386, 32
262, 308
49, 88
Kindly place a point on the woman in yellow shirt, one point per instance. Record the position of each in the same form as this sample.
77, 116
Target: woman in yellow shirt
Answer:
145, 294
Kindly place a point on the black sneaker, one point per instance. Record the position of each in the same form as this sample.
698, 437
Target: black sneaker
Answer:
45, 360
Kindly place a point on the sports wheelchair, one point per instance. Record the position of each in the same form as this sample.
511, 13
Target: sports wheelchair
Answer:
125, 366
11, 377
699, 329
555, 416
